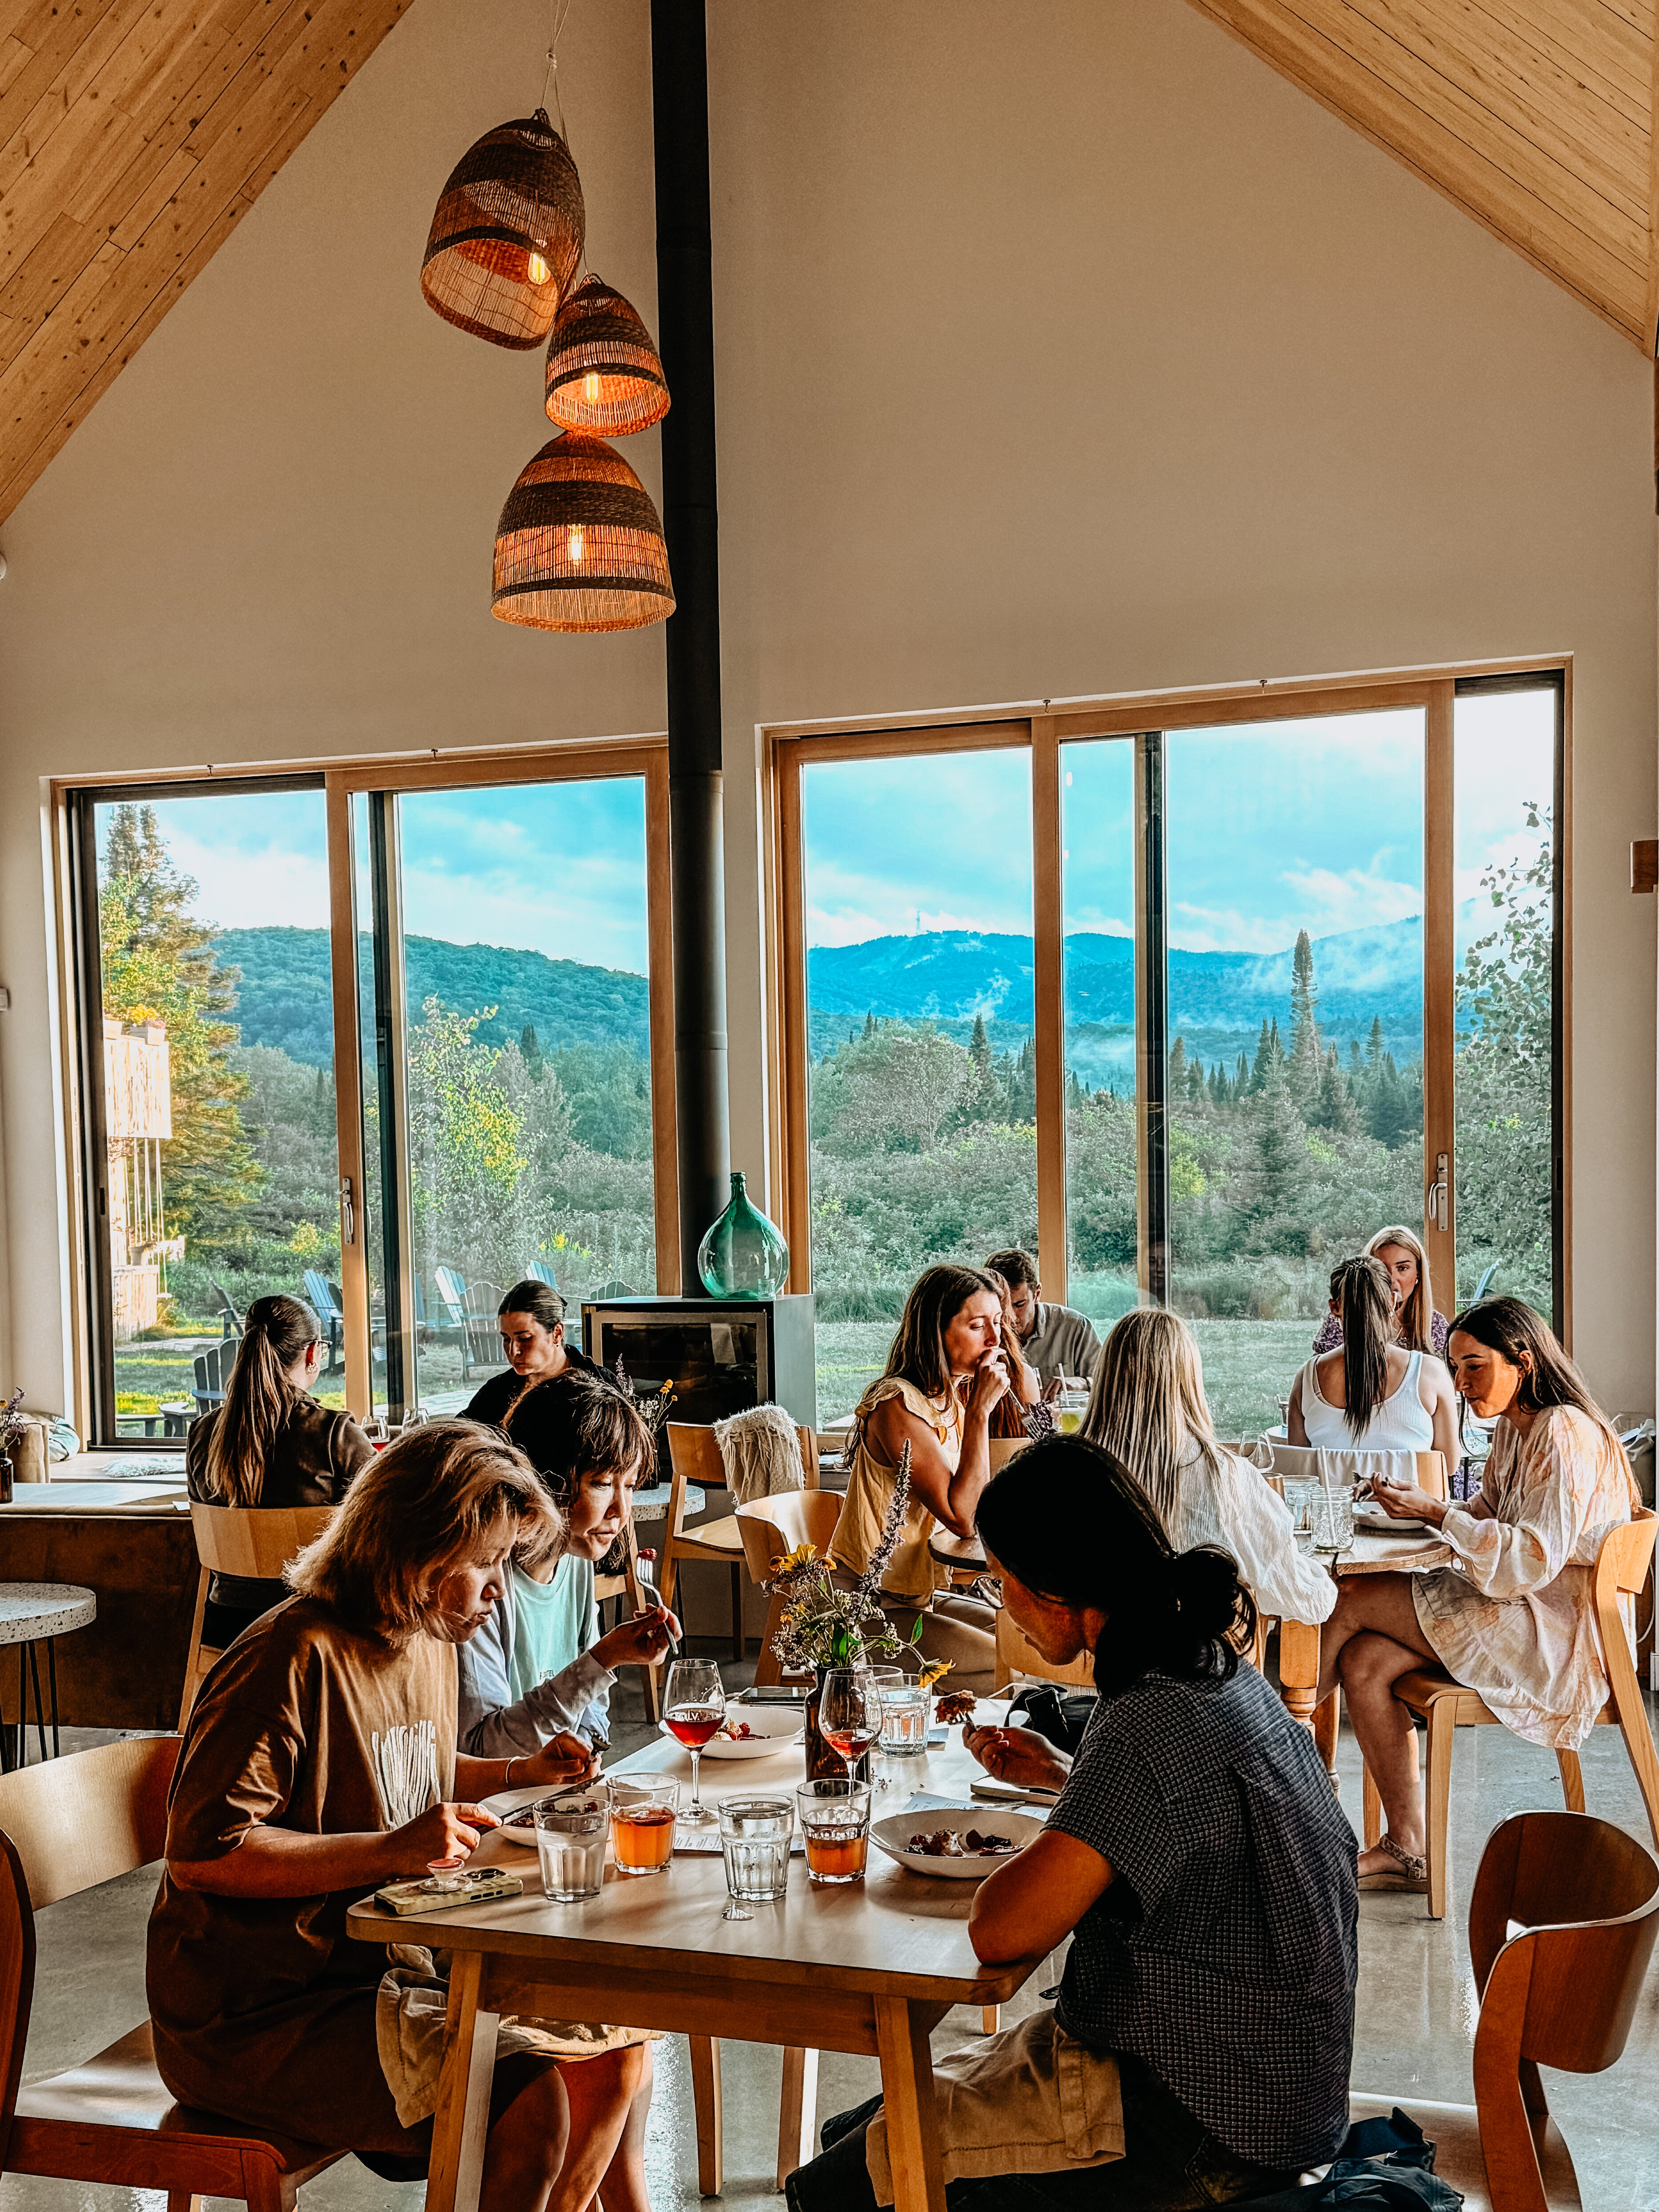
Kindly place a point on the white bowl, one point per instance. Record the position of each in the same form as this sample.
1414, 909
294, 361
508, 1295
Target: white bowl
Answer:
506, 1802
773, 1728
1379, 1523
894, 1833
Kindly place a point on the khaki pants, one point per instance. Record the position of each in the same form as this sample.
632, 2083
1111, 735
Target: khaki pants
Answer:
956, 1627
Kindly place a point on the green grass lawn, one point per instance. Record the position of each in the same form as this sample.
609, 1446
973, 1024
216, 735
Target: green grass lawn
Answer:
1248, 1366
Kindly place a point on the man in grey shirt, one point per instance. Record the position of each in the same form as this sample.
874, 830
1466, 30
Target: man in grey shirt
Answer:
1056, 1340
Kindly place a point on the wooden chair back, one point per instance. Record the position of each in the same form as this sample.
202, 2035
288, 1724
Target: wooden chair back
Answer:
1561, 1991
1002, 1448
16, 1980
254, 1542
78, 1821
772, 1526
1016, 1657
1300, 1462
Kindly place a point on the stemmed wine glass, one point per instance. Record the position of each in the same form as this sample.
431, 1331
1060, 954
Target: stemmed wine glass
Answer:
849, 1713
694, 1707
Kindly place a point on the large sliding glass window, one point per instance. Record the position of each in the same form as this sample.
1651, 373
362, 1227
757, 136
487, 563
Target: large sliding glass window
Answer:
207, 1079
501, 995
1302, 983
921, 1082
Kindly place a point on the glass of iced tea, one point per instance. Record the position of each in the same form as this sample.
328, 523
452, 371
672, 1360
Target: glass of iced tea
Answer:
835, 1825
643, 1811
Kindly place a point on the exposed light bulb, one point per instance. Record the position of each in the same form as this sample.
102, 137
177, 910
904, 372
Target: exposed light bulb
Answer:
537, 270
591, 385
575, 546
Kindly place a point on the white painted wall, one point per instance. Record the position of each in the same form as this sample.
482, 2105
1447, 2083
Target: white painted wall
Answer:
1063, 349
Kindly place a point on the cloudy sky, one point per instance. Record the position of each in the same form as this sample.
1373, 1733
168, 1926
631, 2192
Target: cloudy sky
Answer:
1271, 828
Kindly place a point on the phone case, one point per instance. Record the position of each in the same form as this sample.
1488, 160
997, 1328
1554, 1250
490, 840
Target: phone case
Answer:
483, 1886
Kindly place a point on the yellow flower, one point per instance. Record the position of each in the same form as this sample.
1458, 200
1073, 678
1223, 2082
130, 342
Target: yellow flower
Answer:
802, 1556
935, 1671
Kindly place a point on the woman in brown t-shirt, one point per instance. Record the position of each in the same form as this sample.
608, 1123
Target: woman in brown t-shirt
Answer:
319, 1763
270, 1444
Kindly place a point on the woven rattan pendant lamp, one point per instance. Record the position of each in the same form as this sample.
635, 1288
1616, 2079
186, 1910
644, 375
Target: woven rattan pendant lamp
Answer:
507, 240
580, 545
603, 373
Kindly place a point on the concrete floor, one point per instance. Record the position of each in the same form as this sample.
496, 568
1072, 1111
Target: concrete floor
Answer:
1416, 2013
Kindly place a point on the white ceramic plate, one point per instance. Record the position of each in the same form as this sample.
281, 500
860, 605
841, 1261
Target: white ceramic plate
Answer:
1385, 1524
506, 1802
893, 1834
772, 1728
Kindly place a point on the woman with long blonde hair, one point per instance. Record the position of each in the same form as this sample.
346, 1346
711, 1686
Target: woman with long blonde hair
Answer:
1418, 1325
1148, 1409
269, 1444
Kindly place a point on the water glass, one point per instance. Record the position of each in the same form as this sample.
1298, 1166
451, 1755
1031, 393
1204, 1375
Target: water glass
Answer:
755, 1838
1332, 1513
570, 1843
904, 1720
1069, 1408
835, 1820
1299, 1500
643, 1812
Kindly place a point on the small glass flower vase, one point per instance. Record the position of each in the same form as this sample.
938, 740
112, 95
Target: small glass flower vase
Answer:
6, 1478
743, 1256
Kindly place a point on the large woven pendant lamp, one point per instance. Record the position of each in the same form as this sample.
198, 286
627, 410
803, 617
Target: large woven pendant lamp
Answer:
580, 545
603, 373
507, 236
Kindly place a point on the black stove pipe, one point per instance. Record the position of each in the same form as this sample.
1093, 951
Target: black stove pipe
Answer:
685, 337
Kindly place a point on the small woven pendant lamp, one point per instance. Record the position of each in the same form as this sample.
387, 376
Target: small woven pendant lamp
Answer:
603, 373
507, 236
579, 545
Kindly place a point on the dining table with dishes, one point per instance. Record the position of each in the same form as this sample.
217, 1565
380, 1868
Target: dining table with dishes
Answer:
822, 1914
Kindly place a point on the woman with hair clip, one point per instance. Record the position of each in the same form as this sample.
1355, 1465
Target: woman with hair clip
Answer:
1148, 1409
1418, 1324
946, 1374
270, 1444
1513, 1619
320, 1762
1372, 1395
1197, 1859
538, 1667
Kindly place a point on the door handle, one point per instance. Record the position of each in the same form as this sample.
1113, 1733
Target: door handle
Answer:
348, 1213
1437, 1210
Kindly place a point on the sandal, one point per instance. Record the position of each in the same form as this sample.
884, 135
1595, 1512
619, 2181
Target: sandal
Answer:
1408, 1871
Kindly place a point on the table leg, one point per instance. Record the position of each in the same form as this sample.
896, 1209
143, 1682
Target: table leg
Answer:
907, 2089
797, 2111
1298, 1668
706, 2102
461, 2123
51, 1669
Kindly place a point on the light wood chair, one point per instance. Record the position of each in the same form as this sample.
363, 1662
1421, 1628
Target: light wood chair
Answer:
1621, 1568
1581, 1898
770, 1527
630, 1587
695, 1458
65, 1827
255, 1542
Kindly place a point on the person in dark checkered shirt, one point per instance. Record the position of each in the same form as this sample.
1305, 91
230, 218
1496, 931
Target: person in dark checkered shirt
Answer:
1199, 2052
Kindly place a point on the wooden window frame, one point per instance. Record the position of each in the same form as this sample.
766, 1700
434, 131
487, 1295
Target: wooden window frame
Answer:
430, 768
1044, 726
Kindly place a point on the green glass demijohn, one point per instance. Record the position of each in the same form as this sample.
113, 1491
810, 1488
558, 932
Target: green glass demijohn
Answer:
743, 1256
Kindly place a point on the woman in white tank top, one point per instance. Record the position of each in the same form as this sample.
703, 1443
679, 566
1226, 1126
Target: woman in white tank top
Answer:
1371, 1396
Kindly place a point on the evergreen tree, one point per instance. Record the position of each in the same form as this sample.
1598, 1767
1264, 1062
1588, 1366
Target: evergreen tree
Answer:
530, 1052
1307, 1056
1356, 1065
1241, 1083
1332, 1106
1263, 1060
1374, 1047
870, 1022
1178, 1069
1195, 1083
979, 1045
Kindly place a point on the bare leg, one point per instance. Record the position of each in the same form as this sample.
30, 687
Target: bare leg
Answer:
602, 2092
624, 2188
1376, 1641
526, 2148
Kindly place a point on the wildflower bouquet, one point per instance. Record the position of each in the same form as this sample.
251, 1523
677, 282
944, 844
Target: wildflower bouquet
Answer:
653, 1410
12, 1423
824, 1625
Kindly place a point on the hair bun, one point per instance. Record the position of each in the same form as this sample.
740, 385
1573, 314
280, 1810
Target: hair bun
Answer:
1207, 1590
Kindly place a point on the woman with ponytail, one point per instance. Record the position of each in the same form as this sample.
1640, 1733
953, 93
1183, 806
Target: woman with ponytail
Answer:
1371, 1393
1196, 1858
270, 1444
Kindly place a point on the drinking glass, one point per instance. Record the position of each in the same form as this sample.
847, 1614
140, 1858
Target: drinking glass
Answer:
849, 1713
446, 1877
904, 1720
835, 1820
693, 1706
1298, 1500
643, 1822
1332, 1516
1070, 1407
570, 1843
755, 1837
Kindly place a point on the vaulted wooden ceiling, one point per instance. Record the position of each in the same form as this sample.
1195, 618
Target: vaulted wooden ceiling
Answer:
1534, 116
135, 134
134, 137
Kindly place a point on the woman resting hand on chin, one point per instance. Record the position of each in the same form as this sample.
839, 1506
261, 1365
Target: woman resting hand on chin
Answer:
319, 1763
1197, 1859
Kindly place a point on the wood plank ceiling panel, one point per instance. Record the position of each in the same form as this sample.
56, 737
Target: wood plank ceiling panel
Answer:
134, 137
1534, 116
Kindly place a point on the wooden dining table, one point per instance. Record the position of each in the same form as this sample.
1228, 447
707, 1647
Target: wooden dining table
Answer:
1413, 1552
870, 1968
